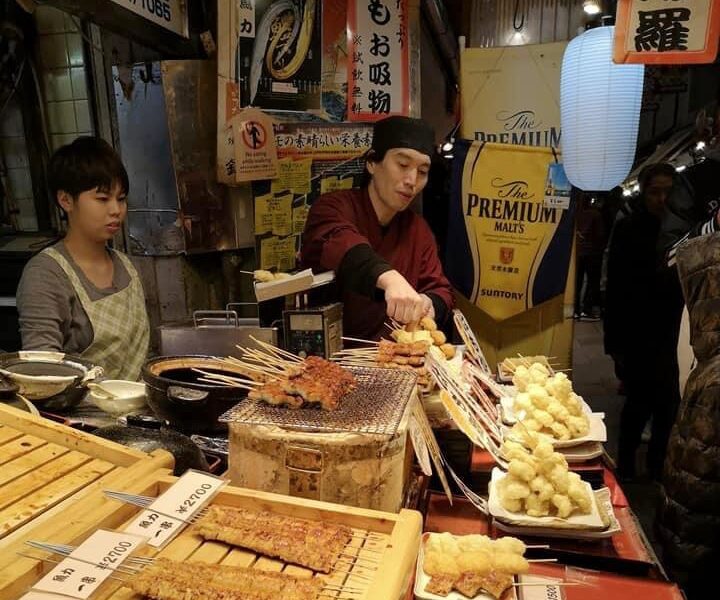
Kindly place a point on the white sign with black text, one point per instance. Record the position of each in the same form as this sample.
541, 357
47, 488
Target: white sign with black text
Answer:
169, 14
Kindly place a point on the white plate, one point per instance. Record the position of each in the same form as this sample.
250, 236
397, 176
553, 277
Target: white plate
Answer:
602, 497
508, 412
422, 579
597, 433
593, 521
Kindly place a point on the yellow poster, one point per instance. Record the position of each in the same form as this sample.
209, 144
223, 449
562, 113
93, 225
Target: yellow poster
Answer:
332, 184
281, 211
293, 175
269, 253
299, 217
286, 253
511, 94
510, 247
263, 215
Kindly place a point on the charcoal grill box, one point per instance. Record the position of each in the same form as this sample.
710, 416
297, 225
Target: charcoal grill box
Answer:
358, 455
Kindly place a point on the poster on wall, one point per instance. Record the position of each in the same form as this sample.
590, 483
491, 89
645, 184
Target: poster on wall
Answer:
313, 159
662, 32
510, 229
280, 67
511, 95
379, 69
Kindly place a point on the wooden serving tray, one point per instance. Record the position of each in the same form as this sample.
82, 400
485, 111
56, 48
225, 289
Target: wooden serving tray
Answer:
46, 467
391, 541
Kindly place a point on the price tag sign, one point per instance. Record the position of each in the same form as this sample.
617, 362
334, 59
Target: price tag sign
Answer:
538, 591
167, 515
89, 565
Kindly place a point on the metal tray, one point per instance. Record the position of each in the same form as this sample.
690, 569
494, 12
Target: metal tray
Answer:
375, 406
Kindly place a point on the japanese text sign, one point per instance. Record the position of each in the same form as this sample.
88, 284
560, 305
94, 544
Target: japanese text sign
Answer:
378, 68
667, 31
90, 564
167, 515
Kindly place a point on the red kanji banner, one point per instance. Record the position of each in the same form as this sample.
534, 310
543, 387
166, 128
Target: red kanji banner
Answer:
667, 31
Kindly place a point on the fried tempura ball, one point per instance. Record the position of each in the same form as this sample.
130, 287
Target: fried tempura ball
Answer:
538, 396
574, 404
448, 350
402, 337
558, 477
510, 505
578, 426
515, 490
439, 563
510, 562
510, 544
535, 507
543, 417
474, 542
542, 487
428, 324
438, 337
514, 450
263, 276
558, 411
476, 561
521, 378
543, 450
522, 470
563, 505
559, 430
522, 402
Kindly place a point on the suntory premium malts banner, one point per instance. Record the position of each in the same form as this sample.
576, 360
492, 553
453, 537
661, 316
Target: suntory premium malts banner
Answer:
508, 248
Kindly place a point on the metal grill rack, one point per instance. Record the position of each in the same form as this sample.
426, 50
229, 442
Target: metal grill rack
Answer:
375, 406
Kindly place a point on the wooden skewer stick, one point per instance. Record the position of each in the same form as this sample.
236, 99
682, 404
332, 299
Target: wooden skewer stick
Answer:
360, 341
548, 583
226, 378
542, 560
279, 351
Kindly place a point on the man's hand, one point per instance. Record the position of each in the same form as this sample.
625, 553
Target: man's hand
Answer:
429, 309
404, 304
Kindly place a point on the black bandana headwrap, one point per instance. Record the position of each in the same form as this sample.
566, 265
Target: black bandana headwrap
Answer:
403, 132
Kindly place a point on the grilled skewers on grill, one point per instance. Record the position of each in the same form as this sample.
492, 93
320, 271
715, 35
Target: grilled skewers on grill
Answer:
169, 580
316, 381
310, 544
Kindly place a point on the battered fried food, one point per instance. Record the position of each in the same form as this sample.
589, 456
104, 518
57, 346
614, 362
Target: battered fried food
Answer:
472, 563
310, 544
169, 580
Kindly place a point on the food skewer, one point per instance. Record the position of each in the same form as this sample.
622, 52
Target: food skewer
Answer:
360, 341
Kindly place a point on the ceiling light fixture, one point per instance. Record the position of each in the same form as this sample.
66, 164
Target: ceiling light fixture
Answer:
592, 7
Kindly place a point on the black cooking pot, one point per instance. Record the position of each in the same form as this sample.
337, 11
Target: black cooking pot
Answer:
148, 434
175, 394
53, 381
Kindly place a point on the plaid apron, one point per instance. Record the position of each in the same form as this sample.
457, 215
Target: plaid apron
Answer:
120, 324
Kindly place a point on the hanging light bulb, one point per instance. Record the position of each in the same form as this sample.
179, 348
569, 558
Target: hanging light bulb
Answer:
599, 112
680, 168
592, 7
627, 192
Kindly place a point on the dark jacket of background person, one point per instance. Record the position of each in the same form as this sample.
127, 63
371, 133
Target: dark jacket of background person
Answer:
689, 518
643, 297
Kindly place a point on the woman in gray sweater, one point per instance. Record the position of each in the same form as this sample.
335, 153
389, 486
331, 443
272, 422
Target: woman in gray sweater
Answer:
79, 296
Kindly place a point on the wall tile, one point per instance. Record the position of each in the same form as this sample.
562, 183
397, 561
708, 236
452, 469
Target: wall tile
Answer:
61, 117
20, 182
58, 140
82, 115
79, 83
14, 152
75, 49
58, 85
53, 51
49, 20
11, 121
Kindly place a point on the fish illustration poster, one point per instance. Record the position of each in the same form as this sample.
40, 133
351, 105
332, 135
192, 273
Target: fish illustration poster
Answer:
280, 67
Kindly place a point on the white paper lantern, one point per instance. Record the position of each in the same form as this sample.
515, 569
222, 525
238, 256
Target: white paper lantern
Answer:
599, 112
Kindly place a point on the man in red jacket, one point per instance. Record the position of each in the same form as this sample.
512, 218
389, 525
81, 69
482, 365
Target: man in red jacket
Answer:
384, 256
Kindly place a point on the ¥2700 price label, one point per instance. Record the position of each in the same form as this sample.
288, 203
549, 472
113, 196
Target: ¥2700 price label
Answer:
175, 508
88, 566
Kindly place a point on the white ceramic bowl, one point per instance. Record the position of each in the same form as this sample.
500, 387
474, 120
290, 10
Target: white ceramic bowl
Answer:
131, 396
